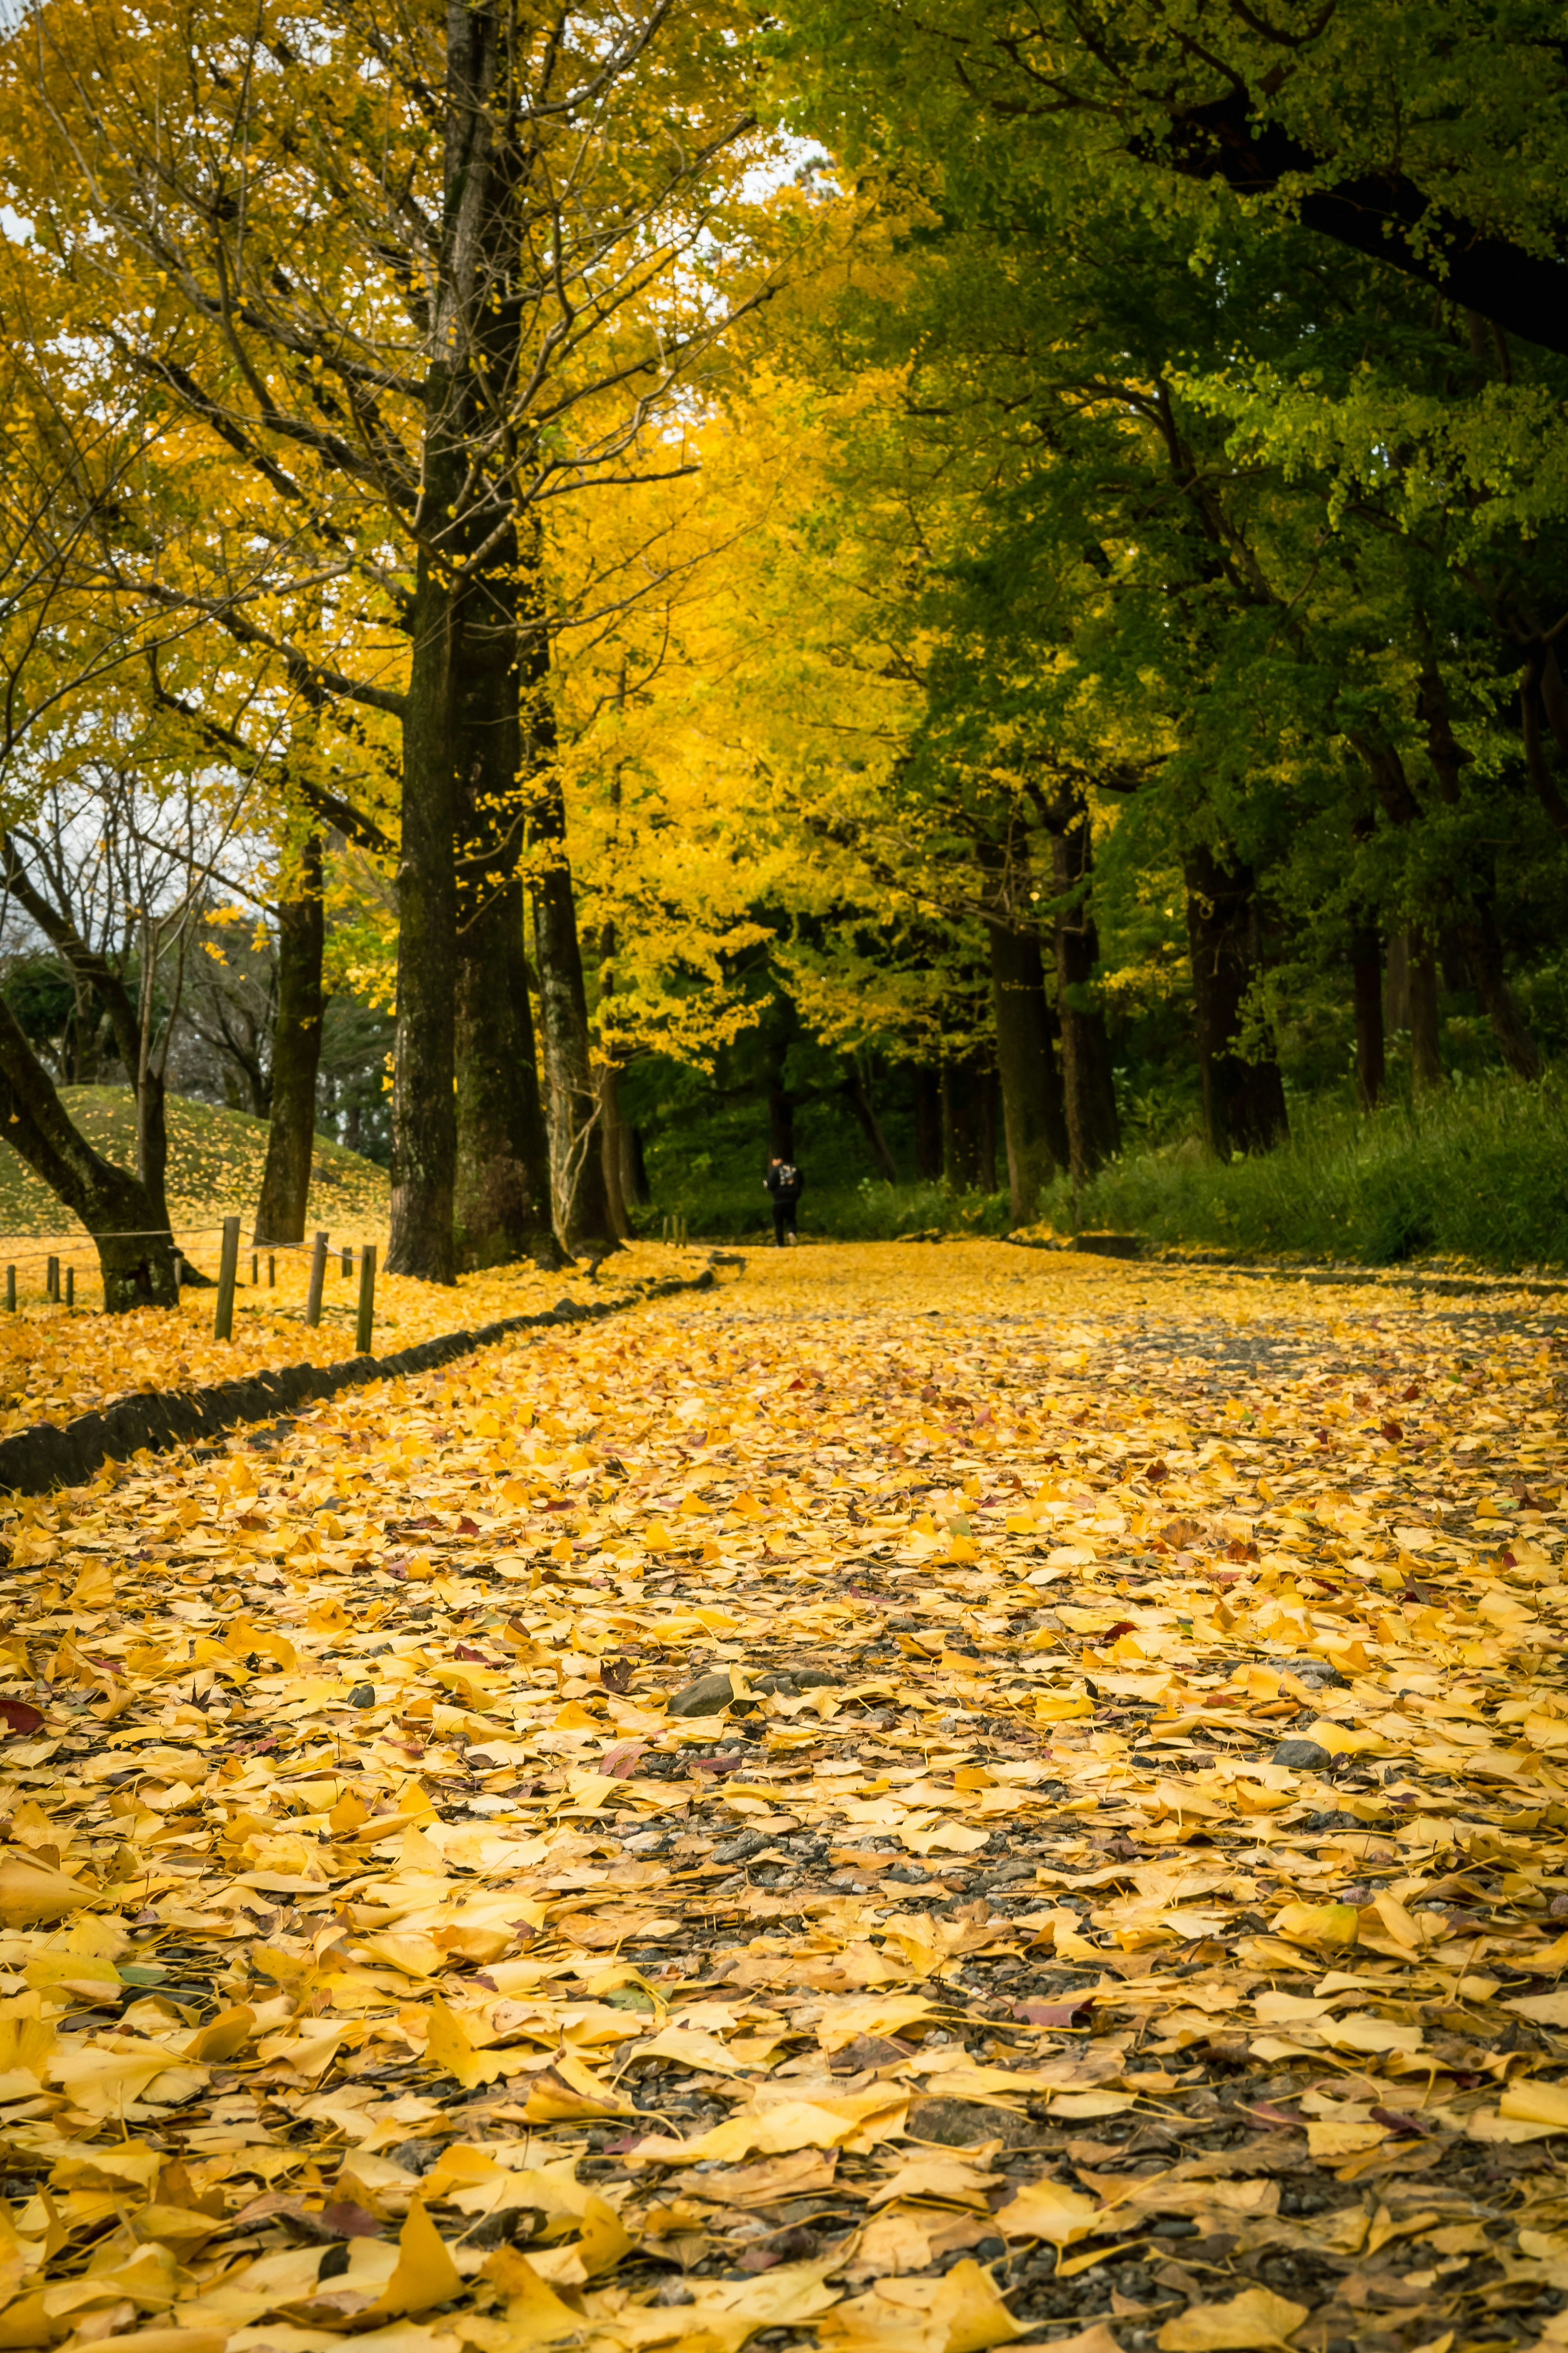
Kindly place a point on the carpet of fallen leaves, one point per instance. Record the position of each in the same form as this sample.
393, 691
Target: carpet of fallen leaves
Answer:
926, 1799
55, 1362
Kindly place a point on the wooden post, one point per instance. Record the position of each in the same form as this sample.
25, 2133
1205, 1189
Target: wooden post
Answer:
179, 1274
254, 1270
348, 1261
318, 1277
228, 1270
11, 1289
70, 1286
366, 1298
52, 1281
271, 1271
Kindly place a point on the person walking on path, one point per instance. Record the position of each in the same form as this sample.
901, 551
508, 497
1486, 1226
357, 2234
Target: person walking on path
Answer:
783, 1181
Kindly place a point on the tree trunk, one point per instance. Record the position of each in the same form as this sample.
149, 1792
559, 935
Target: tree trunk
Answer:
860, 1102
153, 1142
1366, 978
958, 1089
1425, 1056
502, 1193
1089, 1086
781, 1104
578, 1165
988, 1107
502, 1197
1477, 935
424, 1115
613, 1139
296, 1056
1244, 1100
1033, 1116
634, 1167
135, 1249
459, 645
1396, 983
928, 1126
613, 1145
501, 1204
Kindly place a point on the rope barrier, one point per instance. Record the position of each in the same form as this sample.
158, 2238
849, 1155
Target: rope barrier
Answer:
353, 1252
363, 1255
24, 1258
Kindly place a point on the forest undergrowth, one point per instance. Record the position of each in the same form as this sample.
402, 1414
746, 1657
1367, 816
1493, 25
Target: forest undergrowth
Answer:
923, 1799
1473, 1172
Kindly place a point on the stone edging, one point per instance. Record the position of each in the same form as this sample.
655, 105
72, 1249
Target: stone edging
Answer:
67, 1455
1395, 1278
1390, 1278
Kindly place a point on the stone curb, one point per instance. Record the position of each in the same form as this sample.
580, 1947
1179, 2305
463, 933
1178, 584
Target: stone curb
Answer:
1389, 1278
54, 1455
1455, 1286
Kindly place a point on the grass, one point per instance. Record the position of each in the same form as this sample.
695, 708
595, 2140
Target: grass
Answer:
216, 1159
1478, 1171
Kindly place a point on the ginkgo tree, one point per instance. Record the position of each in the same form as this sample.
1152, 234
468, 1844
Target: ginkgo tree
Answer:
102, 828
407, 278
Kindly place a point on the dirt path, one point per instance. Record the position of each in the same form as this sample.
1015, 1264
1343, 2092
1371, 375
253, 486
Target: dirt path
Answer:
932, 1797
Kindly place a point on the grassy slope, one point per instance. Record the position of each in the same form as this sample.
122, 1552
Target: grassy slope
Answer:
216, 1159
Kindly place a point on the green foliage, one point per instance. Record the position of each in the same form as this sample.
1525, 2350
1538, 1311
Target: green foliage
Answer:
1479, 1171
878, 1212
39, 994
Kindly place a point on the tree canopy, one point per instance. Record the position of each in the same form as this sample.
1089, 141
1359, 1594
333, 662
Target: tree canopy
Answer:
1005, 562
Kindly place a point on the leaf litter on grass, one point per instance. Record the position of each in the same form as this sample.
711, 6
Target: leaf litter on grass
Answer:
55, 1364
216, 1159
1112, 1895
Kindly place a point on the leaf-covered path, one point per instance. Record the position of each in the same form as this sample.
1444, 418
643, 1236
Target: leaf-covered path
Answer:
930, 1797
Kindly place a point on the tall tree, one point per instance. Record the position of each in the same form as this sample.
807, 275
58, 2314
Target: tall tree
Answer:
296, 1052
1430, 141
414, 279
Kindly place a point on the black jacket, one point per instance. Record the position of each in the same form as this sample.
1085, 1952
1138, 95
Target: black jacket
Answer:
785, 1182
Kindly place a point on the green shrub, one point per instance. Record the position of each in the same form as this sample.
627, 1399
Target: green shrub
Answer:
1479, 1170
